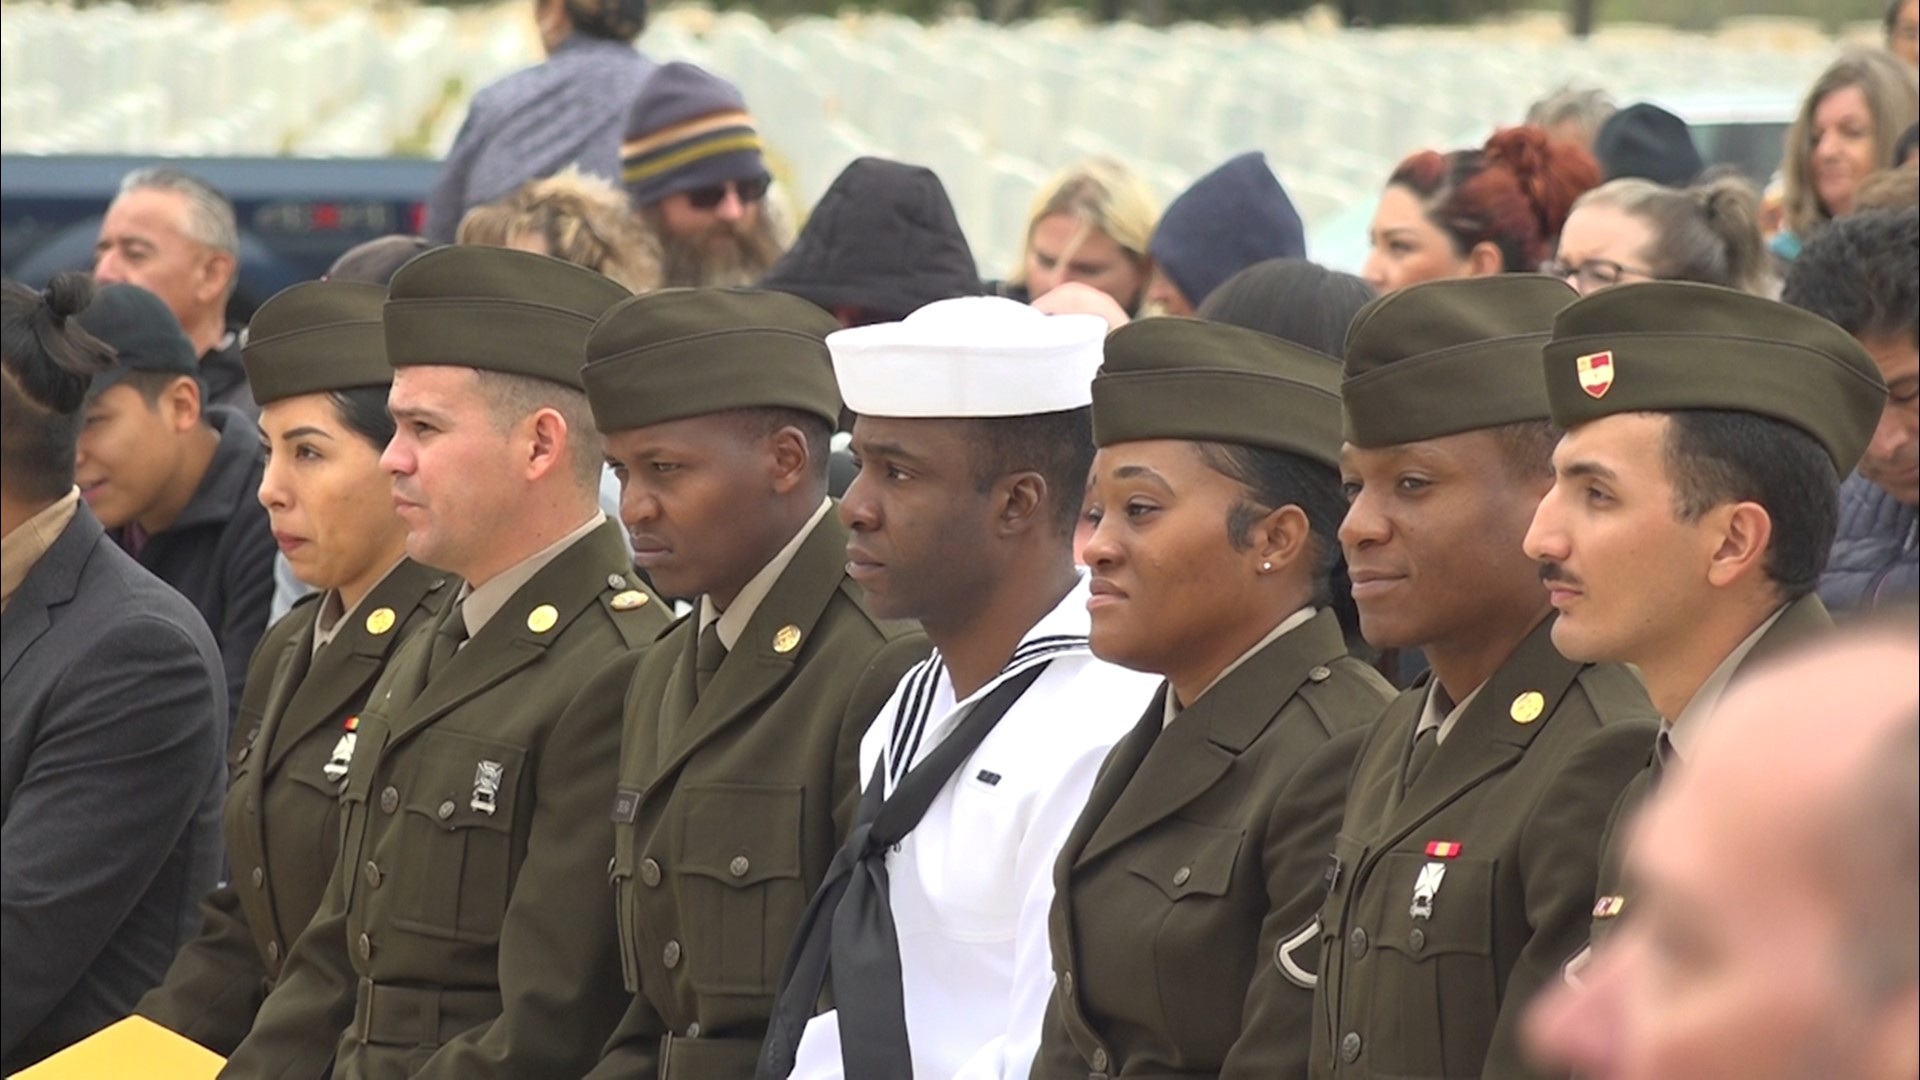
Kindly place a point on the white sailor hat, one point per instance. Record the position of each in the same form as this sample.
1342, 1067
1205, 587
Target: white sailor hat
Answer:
973, 356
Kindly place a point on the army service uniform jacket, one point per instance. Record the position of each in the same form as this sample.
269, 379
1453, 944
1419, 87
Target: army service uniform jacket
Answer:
1451, 903
1804, 620
282, 817
730, 808
464, 931
1195, 867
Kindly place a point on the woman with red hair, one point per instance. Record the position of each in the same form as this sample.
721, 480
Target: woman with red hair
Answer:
1494, 210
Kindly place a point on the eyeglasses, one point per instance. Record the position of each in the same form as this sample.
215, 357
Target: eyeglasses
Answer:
747, 191
1591, 275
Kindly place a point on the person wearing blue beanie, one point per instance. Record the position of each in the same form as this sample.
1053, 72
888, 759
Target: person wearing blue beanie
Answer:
1231, 218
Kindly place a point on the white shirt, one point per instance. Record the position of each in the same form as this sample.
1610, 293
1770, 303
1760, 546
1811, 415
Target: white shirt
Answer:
970, 887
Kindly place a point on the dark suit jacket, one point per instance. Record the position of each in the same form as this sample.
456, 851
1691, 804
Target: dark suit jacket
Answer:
465, 931
1195, 867
1805, 620
1523, 786
112, 711
282, 814
730, 809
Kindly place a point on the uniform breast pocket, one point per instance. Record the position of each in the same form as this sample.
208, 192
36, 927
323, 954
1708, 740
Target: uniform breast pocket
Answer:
454, 871
302, 792
1434, 920
740, 887
1189, 871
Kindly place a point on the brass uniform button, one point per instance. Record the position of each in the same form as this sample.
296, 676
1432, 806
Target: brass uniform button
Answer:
693, 1030
390, 800
1320, 673
1100, 1060
615, 581
670, 955
446, 810
366, 947
373, 873
1183, 875
259, 877
739, 866
650, 873
1350, 1047
1357, 943
273, 952
1066, 984
1416, 939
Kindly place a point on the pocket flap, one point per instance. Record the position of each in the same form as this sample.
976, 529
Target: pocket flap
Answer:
461, 782
1435, 906
741, 834
1183, 859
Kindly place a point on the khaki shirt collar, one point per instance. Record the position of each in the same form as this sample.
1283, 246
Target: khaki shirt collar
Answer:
1440, 712
23, 547
479, 606
733, 621
1292, 622
1683, 731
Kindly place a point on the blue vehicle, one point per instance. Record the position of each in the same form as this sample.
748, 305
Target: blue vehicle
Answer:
296, 215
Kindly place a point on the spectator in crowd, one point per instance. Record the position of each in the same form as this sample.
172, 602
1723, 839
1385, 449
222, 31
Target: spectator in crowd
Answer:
112, 716
692, 165
1778, 934
318, 363
374, 261
174, 235
1291, 299
1903, 31
882, 243
743, 723
1695, 496
974, 447
174, 482
466, 930
1091, 223
1469, 213
1575, 114
1215, 498
1231, 218
1637, 230
1502, 765
1647, 142
574, 217
1860, 273
566, 110
1847, 128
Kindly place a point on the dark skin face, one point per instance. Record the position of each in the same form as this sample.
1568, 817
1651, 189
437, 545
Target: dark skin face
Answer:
920, 523
1171, 593
1433, 537
706, 504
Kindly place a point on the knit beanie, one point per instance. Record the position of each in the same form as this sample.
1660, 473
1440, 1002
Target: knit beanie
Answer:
1231, 218
1649, 143
688, 129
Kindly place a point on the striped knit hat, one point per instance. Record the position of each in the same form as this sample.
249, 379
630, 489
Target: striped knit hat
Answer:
688, 129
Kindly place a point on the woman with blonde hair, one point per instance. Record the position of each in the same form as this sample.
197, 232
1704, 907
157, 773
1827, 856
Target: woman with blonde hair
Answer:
1090, 223
1637, 230
574, 217
1847, 127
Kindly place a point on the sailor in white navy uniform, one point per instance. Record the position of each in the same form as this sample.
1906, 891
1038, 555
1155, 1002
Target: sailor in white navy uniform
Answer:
974, 443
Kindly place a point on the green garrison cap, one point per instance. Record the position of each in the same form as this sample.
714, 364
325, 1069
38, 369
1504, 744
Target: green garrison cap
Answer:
688, 352
1173, 378
496, 309
317, 336
1445, 357
1659, 346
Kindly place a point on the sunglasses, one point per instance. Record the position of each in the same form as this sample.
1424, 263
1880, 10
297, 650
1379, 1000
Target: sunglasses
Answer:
747, 191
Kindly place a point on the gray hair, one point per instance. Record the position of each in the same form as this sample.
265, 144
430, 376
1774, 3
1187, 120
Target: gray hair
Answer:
1587, 106
210, 218
512, 398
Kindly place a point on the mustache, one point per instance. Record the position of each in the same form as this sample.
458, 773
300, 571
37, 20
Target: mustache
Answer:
1553, 573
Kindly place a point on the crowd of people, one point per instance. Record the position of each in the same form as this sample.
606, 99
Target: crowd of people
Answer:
609, 636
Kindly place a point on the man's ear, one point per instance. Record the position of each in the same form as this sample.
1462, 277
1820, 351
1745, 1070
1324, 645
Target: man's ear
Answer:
792, 457
1020, 503
217, 271
1741, 536
180, 405
546, 442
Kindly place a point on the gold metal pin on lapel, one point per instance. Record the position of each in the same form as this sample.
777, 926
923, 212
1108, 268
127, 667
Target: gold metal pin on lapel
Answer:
1528, 707
541, 619
628, 600
786, 639
379, 621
